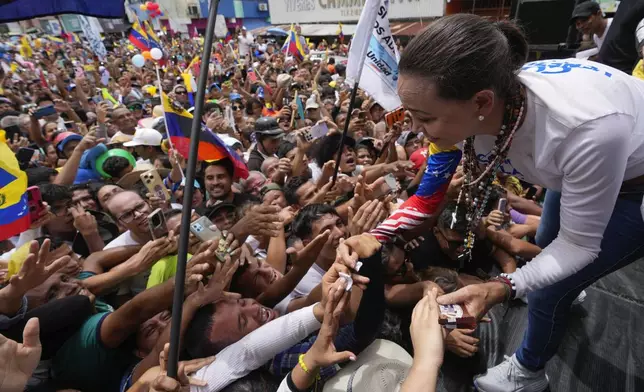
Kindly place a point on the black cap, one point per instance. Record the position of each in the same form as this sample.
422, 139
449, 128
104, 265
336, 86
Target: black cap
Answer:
218, 207
584, 10
268, 126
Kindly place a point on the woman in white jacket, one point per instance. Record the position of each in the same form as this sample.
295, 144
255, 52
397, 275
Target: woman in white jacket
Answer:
569, 125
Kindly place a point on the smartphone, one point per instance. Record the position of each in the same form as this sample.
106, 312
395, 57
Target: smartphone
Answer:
455, 316
25, 154
97, 99
316, 132
70, 125
45, 111
503, 203
397, 115
152, 180
101, 132
157, 224
34, 202
362, 115
531, 193
26, 107
252, 76
201, 228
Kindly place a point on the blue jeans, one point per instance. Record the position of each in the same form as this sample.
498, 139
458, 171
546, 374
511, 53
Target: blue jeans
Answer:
548, 308
549, 224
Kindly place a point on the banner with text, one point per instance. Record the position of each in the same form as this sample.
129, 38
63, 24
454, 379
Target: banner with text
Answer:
93, 36
321, 11
373, 57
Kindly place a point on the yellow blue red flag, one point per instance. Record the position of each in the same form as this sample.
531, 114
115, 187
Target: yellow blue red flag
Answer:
14, 211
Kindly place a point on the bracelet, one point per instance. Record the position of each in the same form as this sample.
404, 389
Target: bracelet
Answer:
507, 280
300, 361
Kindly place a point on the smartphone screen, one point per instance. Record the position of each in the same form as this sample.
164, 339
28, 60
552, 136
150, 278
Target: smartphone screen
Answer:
319, 130
25, 154
45, 111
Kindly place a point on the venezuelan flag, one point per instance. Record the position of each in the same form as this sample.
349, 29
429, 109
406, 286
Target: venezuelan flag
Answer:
153, 39
293, 46
138, 37
56, 40
211, 147
14, 212
441, 165
228, 37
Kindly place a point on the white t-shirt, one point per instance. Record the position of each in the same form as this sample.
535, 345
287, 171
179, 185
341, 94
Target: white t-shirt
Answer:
244, 42
312, 278
600, 40
583, 135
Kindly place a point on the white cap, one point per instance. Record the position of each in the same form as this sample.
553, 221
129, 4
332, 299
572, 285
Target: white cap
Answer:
145, 137
312, 103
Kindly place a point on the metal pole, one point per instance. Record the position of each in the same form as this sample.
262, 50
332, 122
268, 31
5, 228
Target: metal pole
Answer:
352, 102
177, 303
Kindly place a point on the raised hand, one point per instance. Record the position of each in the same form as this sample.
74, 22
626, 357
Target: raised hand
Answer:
310, 252
367, 217
163, 383
260, 221
427, 334
219, 281
84, 222
18, 361
357, 247
35, 269
323, 353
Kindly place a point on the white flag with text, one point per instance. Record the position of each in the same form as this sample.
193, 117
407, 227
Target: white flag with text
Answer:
373, 56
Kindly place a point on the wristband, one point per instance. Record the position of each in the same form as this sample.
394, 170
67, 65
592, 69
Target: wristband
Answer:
509, 283
300, 361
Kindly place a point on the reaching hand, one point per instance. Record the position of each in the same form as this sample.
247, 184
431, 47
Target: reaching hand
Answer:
84, 222
322, 352
17, 142
88, 142
261, 221
477, 298
333, 274
45, 216
496, 218
163, 383
18, 361
356, 247
287, 215
101, 112
150, 253
426, 333
35, 269
310, 252
219, 281
367, 217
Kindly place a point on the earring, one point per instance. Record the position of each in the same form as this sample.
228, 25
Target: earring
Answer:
481, 118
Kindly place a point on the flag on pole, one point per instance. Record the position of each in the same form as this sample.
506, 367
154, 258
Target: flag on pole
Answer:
293, 45
138, 37
14, 211
340, 33
211, 147
25, 47
228, 37
373, 57
153, 39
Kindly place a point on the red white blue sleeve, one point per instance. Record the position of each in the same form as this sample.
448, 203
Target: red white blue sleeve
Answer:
441, 165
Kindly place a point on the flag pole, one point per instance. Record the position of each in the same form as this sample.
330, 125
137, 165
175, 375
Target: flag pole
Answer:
352, 102
177, 303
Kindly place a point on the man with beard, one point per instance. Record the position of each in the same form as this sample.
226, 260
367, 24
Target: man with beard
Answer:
218, 179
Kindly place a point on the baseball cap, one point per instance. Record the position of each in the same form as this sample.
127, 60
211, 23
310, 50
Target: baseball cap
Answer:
584, 10
312, 103
145, 137
65, 137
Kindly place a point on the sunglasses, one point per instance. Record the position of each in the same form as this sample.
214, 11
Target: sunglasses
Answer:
236, 108
181, 92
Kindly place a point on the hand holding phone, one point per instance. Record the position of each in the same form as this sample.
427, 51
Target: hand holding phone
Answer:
397, 115
157, 224
152, 180
35, 204
45, 111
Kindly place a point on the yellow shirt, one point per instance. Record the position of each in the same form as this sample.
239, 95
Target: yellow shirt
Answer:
163, 270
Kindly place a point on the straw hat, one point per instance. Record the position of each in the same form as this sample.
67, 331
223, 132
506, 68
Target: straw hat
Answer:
381, 367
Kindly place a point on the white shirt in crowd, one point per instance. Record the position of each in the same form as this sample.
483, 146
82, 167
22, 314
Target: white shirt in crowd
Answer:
583, 135
310, 280
244, 42
600, 40
256, 348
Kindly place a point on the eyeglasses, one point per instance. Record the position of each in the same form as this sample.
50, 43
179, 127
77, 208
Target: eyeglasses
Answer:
131, 215
236, 108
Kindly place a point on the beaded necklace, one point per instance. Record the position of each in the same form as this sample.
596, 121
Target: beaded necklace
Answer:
474, 193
